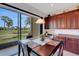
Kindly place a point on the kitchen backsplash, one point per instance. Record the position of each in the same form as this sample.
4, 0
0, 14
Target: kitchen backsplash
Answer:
63, 31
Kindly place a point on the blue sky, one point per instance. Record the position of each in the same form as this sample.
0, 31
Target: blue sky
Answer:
13, 15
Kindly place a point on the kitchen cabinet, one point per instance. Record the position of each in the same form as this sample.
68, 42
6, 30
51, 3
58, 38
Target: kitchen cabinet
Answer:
67, 20
77, 19
60, 38
74, 20
70, 44
47, 19
54, 22
77, 46
57, 22
63, 22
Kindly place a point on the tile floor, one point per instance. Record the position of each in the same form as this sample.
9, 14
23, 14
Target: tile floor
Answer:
67, 53
13, 50
9, 51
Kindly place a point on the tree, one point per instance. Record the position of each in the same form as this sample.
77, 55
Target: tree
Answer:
27, 21
7, 21
4, 18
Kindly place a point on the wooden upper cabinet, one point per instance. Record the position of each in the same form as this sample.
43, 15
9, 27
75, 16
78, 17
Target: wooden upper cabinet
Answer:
58, 22
54, 22
74, 20
77, 19
46, 23
63, 21
69, 20
51, 23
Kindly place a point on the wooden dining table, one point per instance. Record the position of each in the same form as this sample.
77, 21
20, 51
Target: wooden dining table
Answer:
45, 48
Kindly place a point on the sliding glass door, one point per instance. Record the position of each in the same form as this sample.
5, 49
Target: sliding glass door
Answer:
8, 32
25, 26
15, 26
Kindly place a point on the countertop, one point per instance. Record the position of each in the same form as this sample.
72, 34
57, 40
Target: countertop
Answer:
69, 36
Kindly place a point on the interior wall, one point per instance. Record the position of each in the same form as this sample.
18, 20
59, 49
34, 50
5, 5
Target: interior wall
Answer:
35, 27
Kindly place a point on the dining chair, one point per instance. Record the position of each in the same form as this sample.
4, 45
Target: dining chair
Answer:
30, 51
58, 50
27, 51
24, 49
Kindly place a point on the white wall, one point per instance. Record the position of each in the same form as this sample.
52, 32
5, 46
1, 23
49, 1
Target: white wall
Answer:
64, 31
35, 27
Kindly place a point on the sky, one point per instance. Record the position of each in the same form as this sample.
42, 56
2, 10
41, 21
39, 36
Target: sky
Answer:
13, 15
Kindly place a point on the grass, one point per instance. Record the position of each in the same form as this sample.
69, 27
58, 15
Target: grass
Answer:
9, 36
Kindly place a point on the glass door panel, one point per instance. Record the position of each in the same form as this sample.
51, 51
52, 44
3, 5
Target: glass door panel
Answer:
8, 32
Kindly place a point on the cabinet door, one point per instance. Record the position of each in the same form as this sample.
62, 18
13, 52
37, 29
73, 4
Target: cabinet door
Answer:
63, 22
71, 45
68, 18
74, 20
47, 23
58, 21
78, 20
55, 22
67, 44
77, 48
75, 45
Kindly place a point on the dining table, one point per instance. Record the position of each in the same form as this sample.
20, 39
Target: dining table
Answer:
47, 47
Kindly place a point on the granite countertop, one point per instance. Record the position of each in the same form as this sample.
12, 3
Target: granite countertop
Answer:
69, 36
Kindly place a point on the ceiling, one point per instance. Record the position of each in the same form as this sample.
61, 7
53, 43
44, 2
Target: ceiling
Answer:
43, 9
53, 8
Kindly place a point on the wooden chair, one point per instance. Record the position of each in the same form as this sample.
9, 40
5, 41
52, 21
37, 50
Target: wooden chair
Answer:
58, 50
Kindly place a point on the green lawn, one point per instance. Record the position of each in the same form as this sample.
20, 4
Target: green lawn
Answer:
11, 35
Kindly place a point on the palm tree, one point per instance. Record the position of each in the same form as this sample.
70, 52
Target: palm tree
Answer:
4, 18
7, 21
27, 21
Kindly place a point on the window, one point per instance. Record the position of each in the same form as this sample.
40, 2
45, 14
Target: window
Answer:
25, 25
10, 28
